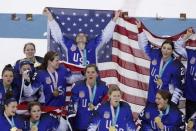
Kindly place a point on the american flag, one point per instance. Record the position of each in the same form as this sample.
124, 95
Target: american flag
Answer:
121, 62
73, 21
129, 67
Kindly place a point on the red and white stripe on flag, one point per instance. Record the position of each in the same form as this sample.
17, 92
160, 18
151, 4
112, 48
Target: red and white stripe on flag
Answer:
130, 66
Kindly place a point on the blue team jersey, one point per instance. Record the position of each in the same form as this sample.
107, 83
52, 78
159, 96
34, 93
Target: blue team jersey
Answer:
5, 126
74, 54
80, 95
173, 121
44, 81
103, 118
15, 91
172, 77
18, 83
38, 60
190, 90
47, 122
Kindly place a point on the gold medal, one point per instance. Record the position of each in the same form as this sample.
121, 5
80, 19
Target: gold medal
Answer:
34, 128
112, 128
159, 81
91, 106
36, 64
157, 119
56, 92
190, 124
13, 129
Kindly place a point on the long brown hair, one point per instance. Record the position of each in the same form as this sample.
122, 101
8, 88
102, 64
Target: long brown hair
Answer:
112, 88
50, 55
165, 95
33, 103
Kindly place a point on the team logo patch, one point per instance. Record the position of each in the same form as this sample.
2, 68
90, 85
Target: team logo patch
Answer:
48, 80
106, 115
81, 94
147, 115
73, 47
192, 61
154, 62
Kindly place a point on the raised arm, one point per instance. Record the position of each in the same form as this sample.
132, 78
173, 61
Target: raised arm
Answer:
109, 29
54, 27
26, 85
143, 42
180, 43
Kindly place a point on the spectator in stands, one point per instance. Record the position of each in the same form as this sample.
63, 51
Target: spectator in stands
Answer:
162, 116
81, 51
29, 50
190, 82
9, 121
166, 72
39, 121
114, 115
87, 95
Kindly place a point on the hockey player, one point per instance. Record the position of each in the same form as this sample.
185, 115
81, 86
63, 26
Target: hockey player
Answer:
114, 115
81, 51
166, 72
87, 95
190, 82
51, 79
163, 116
9, 121
39, 121
29, 50
25, 68
7, 85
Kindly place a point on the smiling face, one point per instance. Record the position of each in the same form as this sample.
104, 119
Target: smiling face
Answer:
81, 40
29, 51
161, 103
54, 63
7, 77
115, 97
35, 113
166, 51
11, 108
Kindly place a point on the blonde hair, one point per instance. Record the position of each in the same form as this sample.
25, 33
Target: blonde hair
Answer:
112, 88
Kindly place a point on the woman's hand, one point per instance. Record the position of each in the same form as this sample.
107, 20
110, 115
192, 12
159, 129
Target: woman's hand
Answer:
189, 32
138, 23
117, 14
47, 13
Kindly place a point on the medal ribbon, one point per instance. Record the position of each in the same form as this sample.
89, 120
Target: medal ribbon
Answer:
163, 67
84, 57
11, 122
166, 112
54, 79
92, 93
7, 89
34, 124
115, 115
